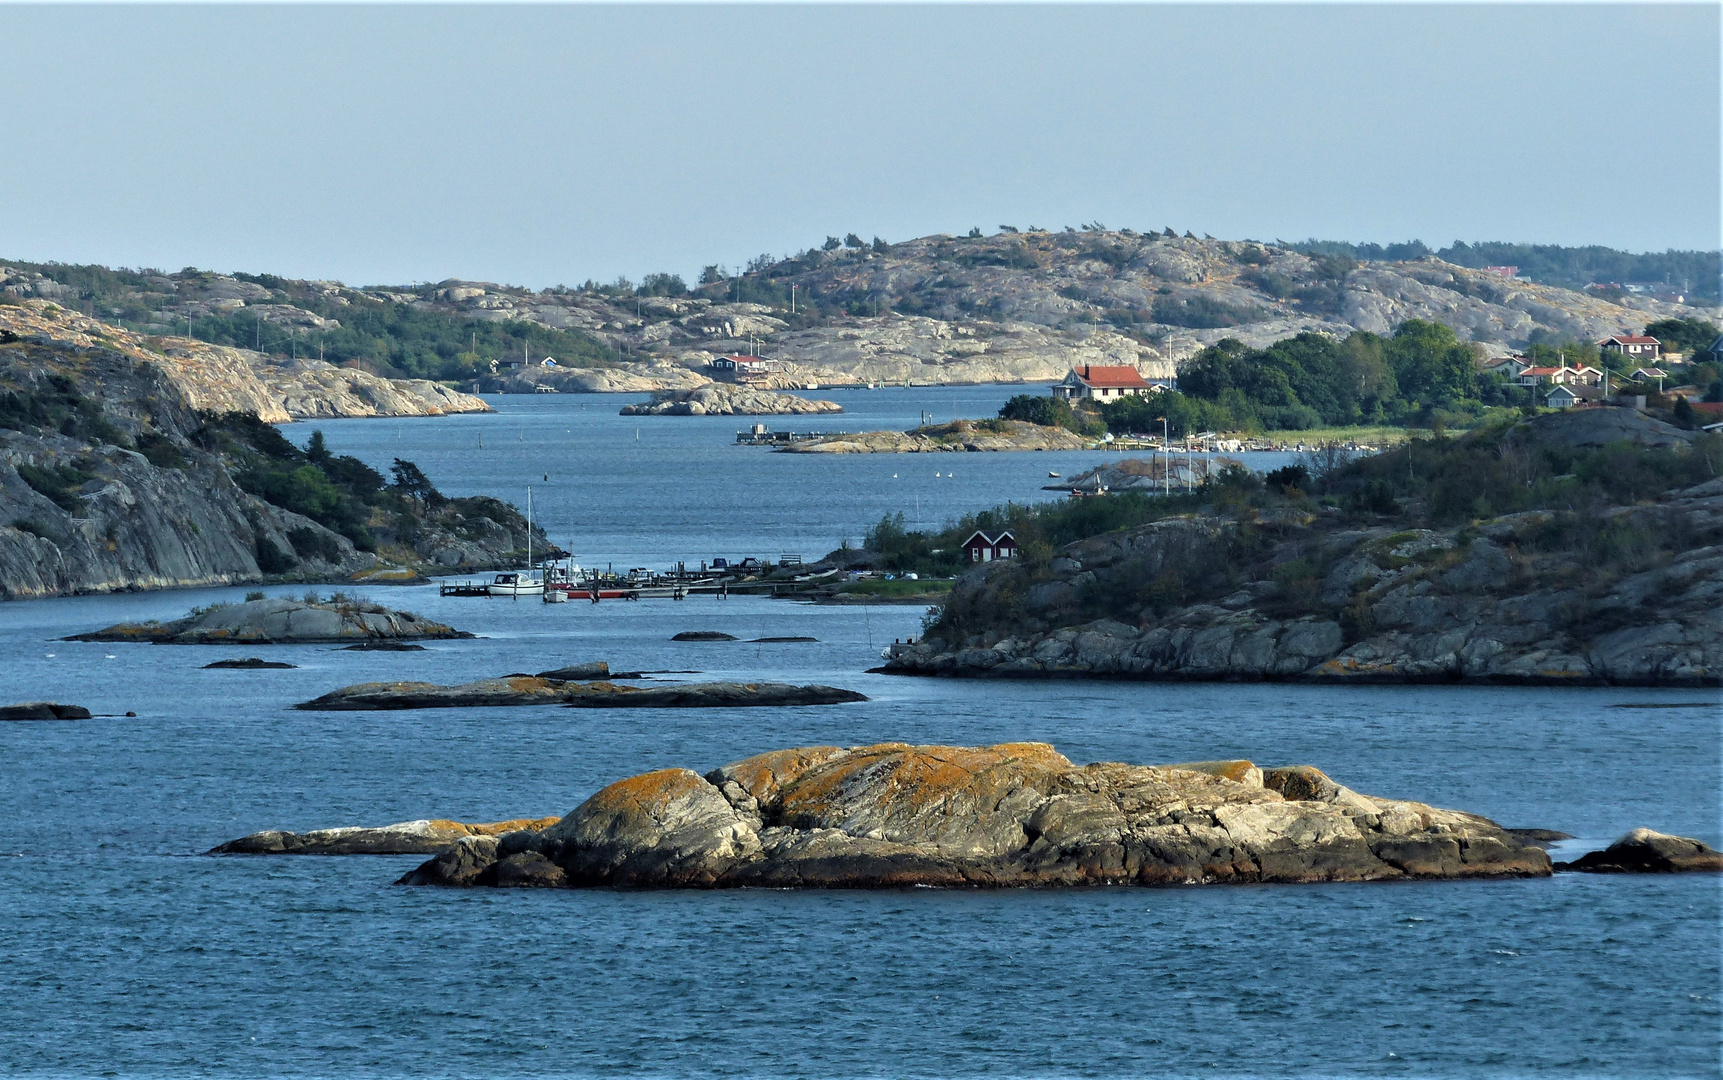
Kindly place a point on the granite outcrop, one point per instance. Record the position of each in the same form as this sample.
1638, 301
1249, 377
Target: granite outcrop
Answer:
728, 399
548, 690
1014, 814
429, 836
281, 621
1643, 851
959, 436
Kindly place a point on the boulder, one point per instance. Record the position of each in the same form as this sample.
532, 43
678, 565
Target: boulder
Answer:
597, 669
281, 621
1015, 814
1645, 852
424, 837
43, 710
250, 663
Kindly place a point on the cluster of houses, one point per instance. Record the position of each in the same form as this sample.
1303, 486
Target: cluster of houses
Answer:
744, 368
1569, 385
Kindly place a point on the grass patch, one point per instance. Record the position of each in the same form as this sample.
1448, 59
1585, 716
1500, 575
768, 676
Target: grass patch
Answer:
893, 589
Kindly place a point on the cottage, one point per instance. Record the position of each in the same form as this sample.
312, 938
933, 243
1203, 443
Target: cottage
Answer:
1566, 396
745, 367
1537, 376
1508, 367
1632, 346
1102, 383
982, 547
1647, 374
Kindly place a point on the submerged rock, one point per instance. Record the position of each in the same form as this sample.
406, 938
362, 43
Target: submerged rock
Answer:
1007, 815
540, 690
423, 837
249, 663
281, 621
703, 635
44, 710
1645, 852
384, 646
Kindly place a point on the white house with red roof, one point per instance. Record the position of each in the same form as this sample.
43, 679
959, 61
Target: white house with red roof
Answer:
1632, 346
1102, 383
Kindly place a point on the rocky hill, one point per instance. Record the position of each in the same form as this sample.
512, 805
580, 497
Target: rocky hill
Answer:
216, 378
1012, 307
112, 479
1608, 570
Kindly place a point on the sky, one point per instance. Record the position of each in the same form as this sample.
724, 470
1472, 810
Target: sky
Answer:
544, 145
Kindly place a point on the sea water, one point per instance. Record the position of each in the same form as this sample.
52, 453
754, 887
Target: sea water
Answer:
125, 952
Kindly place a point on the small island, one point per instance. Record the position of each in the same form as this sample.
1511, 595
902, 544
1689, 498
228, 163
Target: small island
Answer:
1017, 814
726, 399
959, 436
338, 619
546, 689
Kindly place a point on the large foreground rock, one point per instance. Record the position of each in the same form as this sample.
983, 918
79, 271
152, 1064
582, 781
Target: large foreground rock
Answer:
1006, 815
281, 622
539, 690
424, 837
1645, 852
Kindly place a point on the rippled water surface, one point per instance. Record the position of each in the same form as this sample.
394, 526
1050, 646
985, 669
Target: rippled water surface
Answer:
125, 953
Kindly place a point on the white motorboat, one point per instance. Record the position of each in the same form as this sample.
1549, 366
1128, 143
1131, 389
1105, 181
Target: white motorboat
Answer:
524, 583
516, 584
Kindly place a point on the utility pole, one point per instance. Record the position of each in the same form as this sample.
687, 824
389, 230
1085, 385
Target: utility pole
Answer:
792, 299
1167, 473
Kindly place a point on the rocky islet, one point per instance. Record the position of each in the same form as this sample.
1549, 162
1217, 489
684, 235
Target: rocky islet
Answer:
281, 621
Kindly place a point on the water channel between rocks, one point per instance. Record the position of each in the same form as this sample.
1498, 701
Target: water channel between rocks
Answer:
125, 956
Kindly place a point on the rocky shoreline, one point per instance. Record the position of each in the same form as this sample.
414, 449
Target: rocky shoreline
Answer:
1478, 603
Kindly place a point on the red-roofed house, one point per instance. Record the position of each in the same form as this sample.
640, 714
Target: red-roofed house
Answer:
1101, 383
1534, 376
1633, 346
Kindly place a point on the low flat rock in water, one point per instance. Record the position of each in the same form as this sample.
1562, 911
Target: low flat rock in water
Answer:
539, 690
279, 622
728, 399
425, 837
383, 646
1645, 852
249, 663
596, 669
703, 635
43, 710
1016, 814
958, 436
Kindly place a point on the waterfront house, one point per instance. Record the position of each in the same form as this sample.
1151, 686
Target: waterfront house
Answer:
1102, 383
1632, 346
1538, 376
983, 547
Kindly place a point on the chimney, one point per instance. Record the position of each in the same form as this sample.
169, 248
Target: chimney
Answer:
1085, 371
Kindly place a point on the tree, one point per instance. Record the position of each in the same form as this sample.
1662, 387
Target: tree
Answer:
711, 275
663, 285
975, 233
411, 482
1690, 336
316, 450
832, 244
1431, 366
1684, 415
854, 241
879, 245
1035, 409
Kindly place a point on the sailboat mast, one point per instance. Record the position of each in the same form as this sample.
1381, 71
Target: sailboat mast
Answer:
529, 532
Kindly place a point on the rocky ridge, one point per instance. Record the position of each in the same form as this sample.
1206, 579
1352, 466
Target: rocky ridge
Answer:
216, 378
1015, 814
959, 436
726, 399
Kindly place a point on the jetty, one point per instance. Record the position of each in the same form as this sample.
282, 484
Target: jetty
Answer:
761, 435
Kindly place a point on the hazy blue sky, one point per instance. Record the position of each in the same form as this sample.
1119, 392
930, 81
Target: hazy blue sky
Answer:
539, 145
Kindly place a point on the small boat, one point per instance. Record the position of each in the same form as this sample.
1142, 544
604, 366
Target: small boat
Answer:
555, 596
516, 584
1052, 474
525, 583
